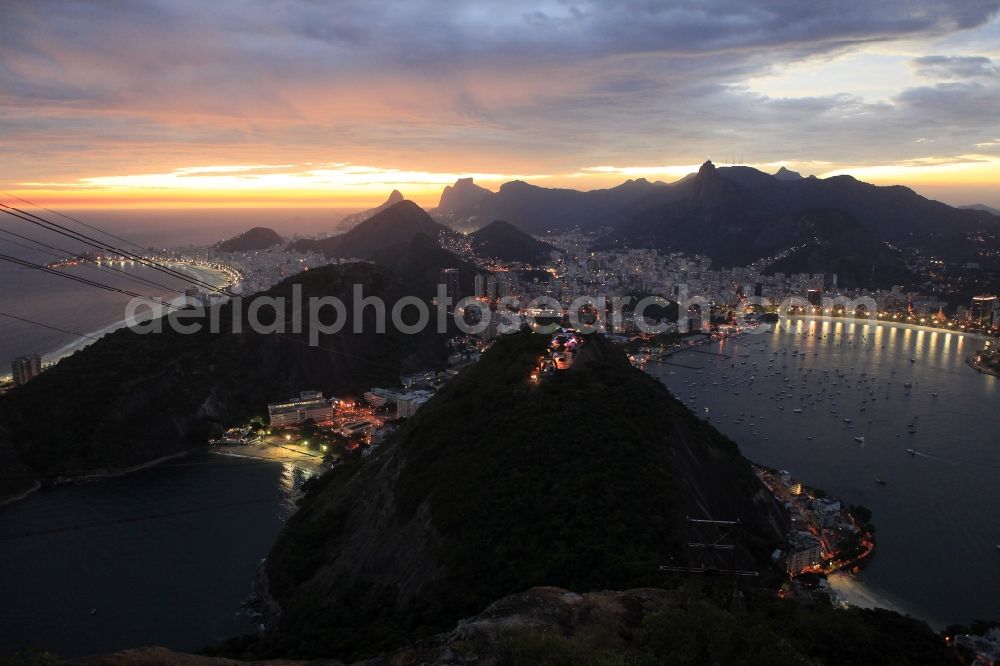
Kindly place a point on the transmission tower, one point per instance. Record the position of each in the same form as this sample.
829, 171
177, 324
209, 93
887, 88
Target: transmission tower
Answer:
711, 548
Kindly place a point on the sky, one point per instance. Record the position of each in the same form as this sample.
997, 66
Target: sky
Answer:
285, 103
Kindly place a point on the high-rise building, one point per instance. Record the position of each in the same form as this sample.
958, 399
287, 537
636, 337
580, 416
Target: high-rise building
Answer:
505, 285
26, 368
449, 278
309, 406
981, 311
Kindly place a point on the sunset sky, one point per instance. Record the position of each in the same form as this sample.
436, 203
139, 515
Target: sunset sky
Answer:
189, 103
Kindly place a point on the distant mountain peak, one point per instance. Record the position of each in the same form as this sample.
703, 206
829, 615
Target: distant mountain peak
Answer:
503, 240
463, 194
787, 174
396, 223
258, 238
353, 220
707, 167
982, 208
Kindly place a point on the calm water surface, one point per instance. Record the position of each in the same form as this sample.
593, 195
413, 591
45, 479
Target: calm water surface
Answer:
937, 517
164, 555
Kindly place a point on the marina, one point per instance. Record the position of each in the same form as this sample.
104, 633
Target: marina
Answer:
841, 405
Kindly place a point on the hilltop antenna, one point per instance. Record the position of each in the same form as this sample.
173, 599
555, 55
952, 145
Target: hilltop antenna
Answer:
711, 551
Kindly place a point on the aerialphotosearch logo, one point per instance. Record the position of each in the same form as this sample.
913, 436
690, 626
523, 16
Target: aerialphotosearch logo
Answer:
411, 315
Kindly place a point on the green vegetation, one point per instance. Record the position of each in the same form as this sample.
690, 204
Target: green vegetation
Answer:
504, 241
30, 657
698, 631
131, 398
497, 485
397, 224
863, 516
989, 358
258, 238
695, 633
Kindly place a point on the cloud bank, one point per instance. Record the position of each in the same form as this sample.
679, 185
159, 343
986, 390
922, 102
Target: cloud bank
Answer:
115, 89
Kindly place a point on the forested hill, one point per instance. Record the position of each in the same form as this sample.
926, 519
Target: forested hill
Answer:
502, 240
131, 398
258, 238
582, 480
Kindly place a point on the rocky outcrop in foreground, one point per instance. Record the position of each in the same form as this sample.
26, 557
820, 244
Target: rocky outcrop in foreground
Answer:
481, 640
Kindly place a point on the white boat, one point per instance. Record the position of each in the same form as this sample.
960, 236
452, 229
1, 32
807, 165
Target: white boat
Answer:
911, 452
859, 439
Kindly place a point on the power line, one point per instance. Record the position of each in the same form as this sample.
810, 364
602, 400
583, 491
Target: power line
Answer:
288, 319
73, 219
54, 328
87, 281
90, 263
96, 243
100, 245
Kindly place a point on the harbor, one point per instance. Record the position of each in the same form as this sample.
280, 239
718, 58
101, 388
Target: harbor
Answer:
882, 416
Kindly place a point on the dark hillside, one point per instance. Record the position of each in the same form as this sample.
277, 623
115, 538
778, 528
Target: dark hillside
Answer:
498, 485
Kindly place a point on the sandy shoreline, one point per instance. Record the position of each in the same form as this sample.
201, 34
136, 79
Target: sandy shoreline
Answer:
880, 322
36, 486
272, 453
859, 594
211, 276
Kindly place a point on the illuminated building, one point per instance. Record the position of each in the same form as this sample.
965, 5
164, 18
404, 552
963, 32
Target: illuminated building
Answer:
416, 379
380, 397
26, 368
449, 278
408, 403
806, 553
309, 406
981, 311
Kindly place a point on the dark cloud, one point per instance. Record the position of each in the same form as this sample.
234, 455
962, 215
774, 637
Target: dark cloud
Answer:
558, 83
956, 67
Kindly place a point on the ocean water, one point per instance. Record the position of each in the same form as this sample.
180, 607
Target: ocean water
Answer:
71, 306
936, 517
164, 556
87, 310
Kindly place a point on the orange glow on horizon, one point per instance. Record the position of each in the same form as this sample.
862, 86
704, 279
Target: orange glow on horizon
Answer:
197, 199
360, 187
